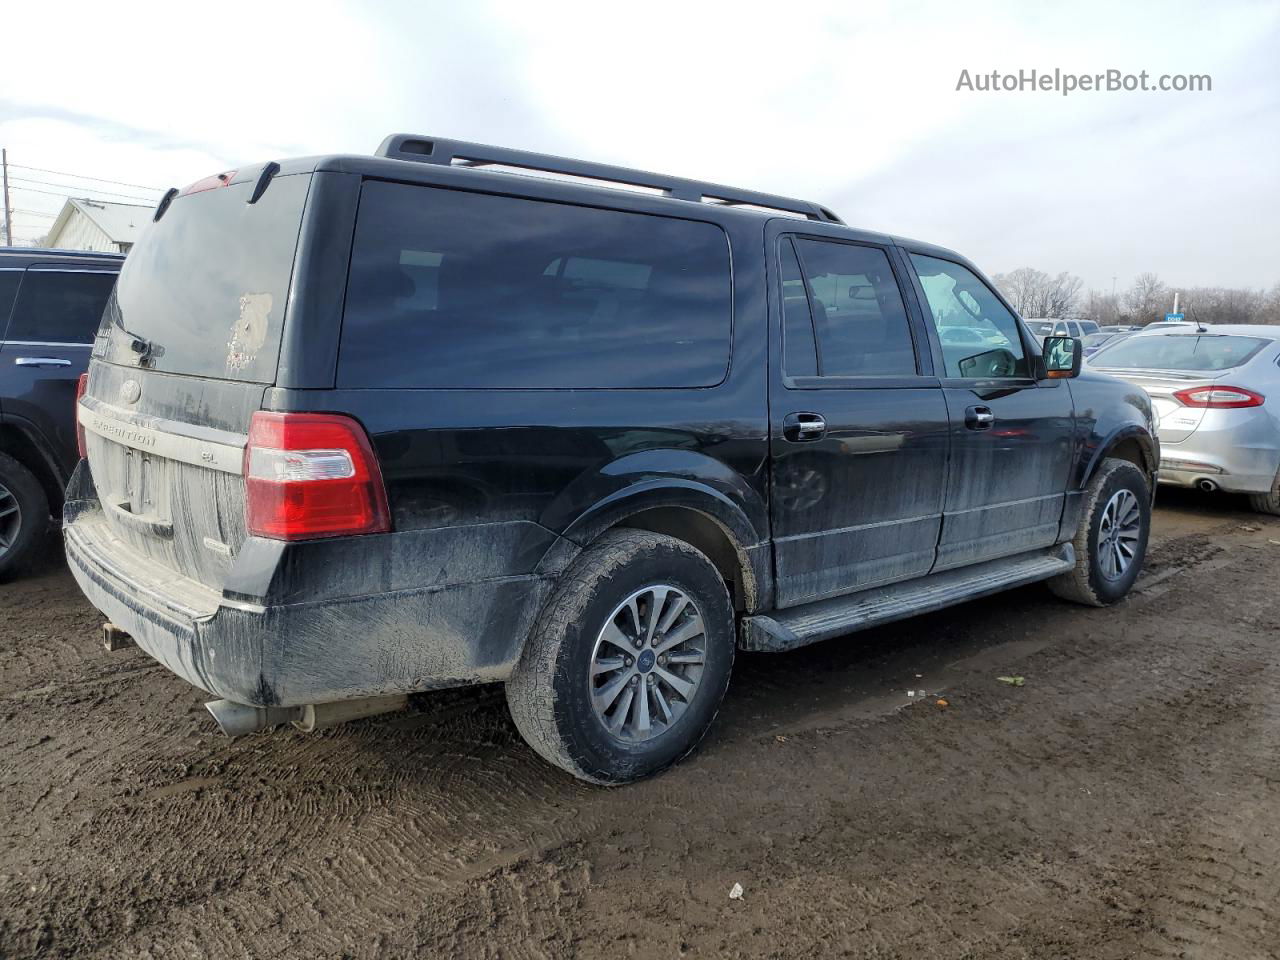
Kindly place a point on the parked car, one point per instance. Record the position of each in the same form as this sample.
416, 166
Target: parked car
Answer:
364, 426
1096, 341
1049, 327
1214, 391
51, 303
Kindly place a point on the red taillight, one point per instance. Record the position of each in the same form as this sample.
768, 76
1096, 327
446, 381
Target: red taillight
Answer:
81, 386
310, 475
1219, 398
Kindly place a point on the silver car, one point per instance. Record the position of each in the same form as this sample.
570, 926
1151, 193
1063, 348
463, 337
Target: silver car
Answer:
1216, 396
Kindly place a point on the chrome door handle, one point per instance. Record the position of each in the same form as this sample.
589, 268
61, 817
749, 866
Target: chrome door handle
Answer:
42, 362
803, 426
979, 418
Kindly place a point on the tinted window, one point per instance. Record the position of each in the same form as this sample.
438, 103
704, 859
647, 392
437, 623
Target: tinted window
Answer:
455, 289
8, 287
56, 307
209, 282
858, 314
1179, 351
979, 335
799, 353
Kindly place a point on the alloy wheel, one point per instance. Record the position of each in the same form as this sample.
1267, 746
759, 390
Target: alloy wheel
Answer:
647, 663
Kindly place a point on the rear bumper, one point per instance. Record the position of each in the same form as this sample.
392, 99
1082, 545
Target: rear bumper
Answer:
1237, 450
319, 651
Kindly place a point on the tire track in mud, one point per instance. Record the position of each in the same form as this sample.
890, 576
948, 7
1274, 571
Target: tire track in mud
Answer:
1053, 819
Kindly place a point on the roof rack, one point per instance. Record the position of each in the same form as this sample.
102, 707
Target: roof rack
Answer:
425, 149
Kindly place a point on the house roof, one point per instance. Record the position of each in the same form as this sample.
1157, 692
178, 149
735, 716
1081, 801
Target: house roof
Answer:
121, 222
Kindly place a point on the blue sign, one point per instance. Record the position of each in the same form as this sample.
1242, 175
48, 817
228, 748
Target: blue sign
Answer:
1173, 317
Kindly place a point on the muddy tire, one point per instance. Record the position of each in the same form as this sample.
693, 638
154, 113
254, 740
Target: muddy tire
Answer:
1267, 502
629, 661
1111, 542
24, 515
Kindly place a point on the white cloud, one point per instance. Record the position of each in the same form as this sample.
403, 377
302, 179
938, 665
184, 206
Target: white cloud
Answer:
850, 104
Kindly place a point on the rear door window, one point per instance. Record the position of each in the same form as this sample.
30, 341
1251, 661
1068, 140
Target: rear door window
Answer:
857, 313
455, 289
56, 306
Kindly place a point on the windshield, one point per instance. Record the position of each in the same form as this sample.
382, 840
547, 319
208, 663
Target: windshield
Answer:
207, 285
1180, 352
1097, 339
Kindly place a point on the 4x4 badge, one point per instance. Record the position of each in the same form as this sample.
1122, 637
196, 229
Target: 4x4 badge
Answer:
130, 391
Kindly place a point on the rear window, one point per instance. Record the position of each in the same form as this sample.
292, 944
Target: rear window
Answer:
456, 289
60, 306
1179, 352
1040, 328
208, 284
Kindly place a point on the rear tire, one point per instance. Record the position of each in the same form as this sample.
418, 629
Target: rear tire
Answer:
590, 699
24, 515
1267, 502
1111, 542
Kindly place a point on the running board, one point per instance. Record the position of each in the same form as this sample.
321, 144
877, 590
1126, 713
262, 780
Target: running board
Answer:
824, 619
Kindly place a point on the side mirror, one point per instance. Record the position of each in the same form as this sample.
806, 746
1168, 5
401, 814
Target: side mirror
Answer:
1062, 357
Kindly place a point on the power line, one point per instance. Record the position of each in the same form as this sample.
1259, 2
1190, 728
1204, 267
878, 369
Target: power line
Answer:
69, 186
82, 176
72, 196
34, 213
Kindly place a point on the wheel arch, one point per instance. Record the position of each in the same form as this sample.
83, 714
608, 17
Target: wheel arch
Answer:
1132, 443
690, 510
22, 442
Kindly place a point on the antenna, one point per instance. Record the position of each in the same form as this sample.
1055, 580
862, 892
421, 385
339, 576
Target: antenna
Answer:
1200, 327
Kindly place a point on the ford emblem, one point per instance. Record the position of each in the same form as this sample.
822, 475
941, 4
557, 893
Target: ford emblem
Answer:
130, 391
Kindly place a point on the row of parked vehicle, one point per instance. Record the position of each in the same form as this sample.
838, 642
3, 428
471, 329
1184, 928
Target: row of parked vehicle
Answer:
357, 427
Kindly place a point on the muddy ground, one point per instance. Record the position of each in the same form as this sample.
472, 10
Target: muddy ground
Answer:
1125, 801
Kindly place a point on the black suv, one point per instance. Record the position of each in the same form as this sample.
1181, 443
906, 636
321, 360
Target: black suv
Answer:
51, 302
364, 426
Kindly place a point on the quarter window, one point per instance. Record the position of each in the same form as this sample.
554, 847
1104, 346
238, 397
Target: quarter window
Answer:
855, 309
456, 289
58, 307
979, 335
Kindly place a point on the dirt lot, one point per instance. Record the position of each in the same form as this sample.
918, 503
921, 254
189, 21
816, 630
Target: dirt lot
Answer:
1124, 802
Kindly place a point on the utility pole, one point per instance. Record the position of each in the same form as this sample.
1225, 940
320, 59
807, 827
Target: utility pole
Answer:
8, 211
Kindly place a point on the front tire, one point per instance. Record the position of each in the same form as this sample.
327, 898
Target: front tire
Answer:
24, 515
1111, 542
629, 661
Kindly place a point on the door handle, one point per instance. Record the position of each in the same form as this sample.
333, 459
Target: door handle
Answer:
799, 427
42, 362
979, 418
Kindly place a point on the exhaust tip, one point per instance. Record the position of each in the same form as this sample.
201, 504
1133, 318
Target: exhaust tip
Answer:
1207, 485
237, 719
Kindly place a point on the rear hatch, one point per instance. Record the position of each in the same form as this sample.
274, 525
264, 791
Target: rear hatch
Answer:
189, 343
1168, 364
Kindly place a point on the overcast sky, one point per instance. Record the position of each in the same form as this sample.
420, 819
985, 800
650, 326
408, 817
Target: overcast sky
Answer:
851, 104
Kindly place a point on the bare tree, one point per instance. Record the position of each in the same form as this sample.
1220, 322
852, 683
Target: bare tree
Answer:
1147, 299
1034, 293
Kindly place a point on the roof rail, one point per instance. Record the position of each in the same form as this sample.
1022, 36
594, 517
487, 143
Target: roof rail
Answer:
425, 149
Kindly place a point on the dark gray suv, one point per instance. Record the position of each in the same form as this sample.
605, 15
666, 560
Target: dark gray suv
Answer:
363, 426
51, 303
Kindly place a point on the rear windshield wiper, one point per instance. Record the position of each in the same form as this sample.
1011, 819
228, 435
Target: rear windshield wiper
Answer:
139, 344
